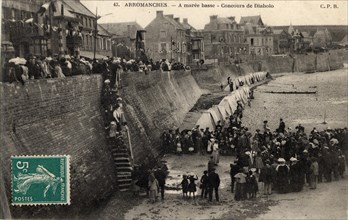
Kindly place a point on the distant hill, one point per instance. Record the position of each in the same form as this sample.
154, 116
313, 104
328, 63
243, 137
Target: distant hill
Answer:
338, 32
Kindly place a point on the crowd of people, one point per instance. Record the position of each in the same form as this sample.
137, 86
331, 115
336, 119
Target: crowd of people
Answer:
61, 66
284, 160
21, 70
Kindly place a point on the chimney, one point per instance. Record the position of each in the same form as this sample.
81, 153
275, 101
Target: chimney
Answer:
213, 17
171, 16
185, 21
177, 20
159, 14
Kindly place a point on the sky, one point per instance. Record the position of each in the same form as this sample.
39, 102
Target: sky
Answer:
307, 12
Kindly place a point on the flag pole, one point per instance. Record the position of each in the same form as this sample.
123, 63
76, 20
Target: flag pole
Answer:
171, 48
95, 32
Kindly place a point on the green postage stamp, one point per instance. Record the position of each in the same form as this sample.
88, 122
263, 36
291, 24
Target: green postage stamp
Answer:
40, 180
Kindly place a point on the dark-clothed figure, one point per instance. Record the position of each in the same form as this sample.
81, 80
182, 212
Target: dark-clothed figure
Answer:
296, 175
282, 176
184, 184
192, 186
267, 177
234, 170
211, 164
213, 184
281, 128
204, 184
252, 186
161, 176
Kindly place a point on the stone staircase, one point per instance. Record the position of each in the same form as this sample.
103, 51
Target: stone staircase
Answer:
123, 167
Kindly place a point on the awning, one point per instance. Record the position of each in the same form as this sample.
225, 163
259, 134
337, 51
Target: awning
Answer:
90, 54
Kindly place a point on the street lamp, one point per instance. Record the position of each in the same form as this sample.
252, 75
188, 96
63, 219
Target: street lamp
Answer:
96, 30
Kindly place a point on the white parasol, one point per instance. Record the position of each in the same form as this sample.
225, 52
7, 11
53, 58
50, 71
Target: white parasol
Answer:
18, 60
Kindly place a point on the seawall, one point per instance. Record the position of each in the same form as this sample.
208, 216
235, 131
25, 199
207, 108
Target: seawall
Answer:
212, 77
307, 63
58, 117
153, 103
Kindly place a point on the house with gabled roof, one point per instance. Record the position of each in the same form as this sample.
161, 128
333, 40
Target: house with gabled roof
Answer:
224, 39
253, 20
126, 40
166, 39
281, 41
258, 36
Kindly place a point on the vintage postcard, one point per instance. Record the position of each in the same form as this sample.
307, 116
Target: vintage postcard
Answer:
177, 109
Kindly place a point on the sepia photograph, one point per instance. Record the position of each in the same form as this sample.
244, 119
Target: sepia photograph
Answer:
139, 110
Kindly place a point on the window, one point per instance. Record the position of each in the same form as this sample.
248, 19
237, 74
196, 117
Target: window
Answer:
195, 45
252, 41
87, 42
218, 26
226, 26
13, 13
90, 22
163, 34
162, 48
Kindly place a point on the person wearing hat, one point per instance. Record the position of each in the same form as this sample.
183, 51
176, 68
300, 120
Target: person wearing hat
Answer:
233, 171
119, 117
265, 126
211, 164
314, 172
281, 128
342, 163
204, 184
240, 178
161, 176
296, 184
153, 187
215, 153
211, 143
213, 185
267, 177
282, 176
113, 132
184, 184
58, 70
197, 136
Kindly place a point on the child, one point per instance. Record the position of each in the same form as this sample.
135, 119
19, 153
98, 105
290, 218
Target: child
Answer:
192, 186
240, 187
252, 185
178, 149
154, 188
204, 184
184, 184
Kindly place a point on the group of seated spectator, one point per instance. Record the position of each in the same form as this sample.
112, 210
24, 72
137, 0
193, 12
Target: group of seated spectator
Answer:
60, 66
35, 67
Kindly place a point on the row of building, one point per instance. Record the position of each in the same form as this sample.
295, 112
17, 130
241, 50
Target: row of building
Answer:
44, 27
